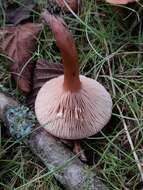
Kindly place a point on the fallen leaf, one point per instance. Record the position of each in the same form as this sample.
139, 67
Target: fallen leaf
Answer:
120, 2
18, 43
16, 13
43, 72
73, 4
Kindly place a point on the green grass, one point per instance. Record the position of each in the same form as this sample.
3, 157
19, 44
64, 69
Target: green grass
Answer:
110, 50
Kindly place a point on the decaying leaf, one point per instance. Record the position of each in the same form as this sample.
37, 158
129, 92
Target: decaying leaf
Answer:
73, 4
18, 43
120, 2
16, 13
43, 72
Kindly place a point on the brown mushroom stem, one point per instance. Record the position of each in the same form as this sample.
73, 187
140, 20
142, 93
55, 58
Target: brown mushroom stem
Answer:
77, 149
65, 43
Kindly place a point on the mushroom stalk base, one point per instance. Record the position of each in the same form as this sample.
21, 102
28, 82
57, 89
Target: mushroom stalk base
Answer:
68, 169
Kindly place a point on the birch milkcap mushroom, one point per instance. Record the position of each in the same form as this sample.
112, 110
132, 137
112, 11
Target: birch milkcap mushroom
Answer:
71, 106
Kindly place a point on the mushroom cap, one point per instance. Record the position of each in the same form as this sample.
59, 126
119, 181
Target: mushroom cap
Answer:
73, 115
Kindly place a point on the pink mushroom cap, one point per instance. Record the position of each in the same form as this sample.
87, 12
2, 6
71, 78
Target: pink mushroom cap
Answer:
73, 115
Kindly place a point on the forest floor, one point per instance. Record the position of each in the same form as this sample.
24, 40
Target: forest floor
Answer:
109, 41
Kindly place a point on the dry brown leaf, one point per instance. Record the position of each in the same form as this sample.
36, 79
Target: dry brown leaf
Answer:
73, 4
120, 2
18, 43
43, 72
16, 13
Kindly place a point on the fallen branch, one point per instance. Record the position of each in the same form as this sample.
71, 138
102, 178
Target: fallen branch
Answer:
63, 164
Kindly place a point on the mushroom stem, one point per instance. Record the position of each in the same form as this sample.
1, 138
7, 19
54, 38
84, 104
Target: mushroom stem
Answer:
65, 43
77, 149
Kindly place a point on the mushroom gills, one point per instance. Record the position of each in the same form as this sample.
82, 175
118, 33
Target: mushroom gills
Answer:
73, 115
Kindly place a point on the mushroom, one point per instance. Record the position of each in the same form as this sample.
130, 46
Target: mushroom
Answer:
71, 106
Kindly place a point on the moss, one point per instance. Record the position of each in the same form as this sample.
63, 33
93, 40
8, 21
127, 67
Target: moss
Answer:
4, 89
20, 120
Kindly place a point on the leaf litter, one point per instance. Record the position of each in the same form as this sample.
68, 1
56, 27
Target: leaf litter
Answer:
19, 43
43, 72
